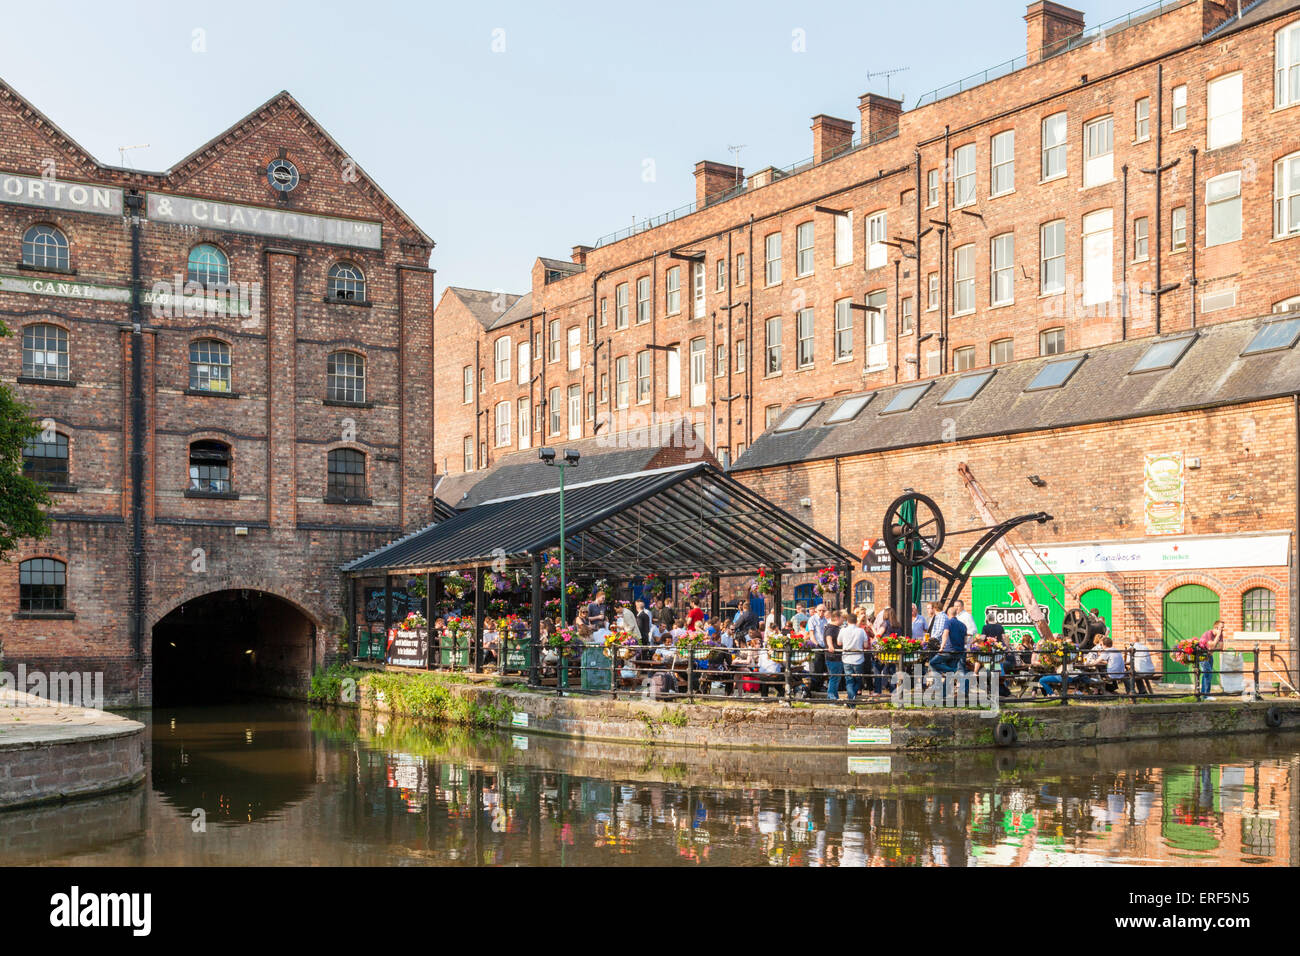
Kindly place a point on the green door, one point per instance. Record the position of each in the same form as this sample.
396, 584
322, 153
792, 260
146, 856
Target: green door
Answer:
1188, 612
1098, 599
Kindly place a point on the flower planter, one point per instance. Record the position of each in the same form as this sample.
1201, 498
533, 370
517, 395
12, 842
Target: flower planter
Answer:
989, 657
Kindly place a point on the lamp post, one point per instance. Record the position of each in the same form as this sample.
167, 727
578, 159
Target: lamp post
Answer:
547, 456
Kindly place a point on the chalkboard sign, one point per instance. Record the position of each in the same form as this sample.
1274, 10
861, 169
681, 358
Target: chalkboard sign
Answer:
408, 648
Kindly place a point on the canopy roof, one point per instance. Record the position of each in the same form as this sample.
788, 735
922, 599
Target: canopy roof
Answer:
668, 521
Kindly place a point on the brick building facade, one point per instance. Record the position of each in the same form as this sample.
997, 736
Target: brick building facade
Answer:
284, 349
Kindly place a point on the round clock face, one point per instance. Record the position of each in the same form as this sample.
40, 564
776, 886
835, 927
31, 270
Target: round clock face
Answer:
282, 175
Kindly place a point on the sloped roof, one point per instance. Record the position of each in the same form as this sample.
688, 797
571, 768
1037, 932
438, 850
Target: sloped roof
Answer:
1252, 14
669, 521
487, 307
1212, 372
522, 309
561, 265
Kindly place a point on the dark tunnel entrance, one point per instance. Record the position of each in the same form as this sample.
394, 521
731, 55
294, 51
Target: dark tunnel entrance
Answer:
231, 644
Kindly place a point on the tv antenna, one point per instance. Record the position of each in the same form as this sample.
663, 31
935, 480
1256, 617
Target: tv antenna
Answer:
735, 158
122, 151
887, 74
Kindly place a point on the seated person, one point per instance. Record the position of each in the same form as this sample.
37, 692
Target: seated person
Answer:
770, 672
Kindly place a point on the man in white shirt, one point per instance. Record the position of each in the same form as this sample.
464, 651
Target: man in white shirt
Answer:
771, 616
852, 640
965, 617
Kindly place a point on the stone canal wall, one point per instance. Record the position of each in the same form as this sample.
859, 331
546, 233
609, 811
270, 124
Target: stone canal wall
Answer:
49, 754
752, 726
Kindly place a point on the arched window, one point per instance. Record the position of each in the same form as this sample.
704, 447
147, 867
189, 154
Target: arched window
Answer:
45, 247
864, 593
210, 467
345, 377
45, 352
929, 590
208, 266
46, 461
1259, 610
42, 585
347, 474
209, 366
347, 282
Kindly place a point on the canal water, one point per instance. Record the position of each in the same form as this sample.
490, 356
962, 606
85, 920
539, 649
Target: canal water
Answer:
275, 783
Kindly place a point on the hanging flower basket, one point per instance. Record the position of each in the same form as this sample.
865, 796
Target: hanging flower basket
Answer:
413, 621
1190, 651
763, 582
654, 583
698, 587
827, 583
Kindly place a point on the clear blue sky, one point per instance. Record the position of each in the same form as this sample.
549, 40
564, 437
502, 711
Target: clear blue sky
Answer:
501, 156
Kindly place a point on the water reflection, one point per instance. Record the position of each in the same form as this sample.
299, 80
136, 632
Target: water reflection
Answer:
284, 785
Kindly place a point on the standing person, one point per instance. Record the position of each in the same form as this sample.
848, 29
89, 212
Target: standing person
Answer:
883, 627
919, 624
800, 615
694, 615
1144, 667
667, 615
852, 640
772, 625
596, 611
643, 622
1211, 640
963, 615
834, 665
938, 621
952, 648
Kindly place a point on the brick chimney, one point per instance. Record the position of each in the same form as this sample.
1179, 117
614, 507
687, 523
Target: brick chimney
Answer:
579, 254
712, 179
831, 136
1048, 23
1215, 13
879, 115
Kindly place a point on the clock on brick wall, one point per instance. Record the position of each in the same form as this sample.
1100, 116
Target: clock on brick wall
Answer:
281, 174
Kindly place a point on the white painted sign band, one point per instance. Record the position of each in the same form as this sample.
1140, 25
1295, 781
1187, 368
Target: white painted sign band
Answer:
1171, 553
231, 217
55, 193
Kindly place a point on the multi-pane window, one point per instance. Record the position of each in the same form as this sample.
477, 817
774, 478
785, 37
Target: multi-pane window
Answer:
208, 266
1002, 174
804, 335
877, 230
964, 274
720, 276
771, 414
45, 352
963, 359
467, 448
1003, 279
673, 290
345, 377
1223, 111
620, 306
1259, 610
591, 404
1223, 209
773, 345
482, 454
1098, 257
604, 311
1054, 146
1051, 253
553, 340
209, 366
553, 404
1287, 305
932, 188
772, 254
932, 292
740, 356
502, 413
843, 329
1286, 196
591, 329
620, 382
1178, 228
719, 360
698, 372
963, 175
907, 320
1179, 108
604, 388
501, 358
642, 300
346, 281
1286, 73
1000, 351
45, 247
525, 423
697, 287
525, 362
643, 376
42, 585
877, 347
803, 244
1142, 120
45, 461
1099, 151
1141, 237
844, 239
1051, 342
575, 411
210, 467
347, 474
467, 384
929, 590
673, 361
575, 348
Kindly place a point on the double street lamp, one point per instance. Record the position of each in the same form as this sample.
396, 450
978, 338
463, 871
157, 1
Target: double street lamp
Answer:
570, 459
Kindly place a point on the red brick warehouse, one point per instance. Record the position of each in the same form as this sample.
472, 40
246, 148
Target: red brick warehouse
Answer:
272, 393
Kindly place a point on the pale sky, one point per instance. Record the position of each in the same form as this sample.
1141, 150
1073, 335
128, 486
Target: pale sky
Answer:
505, 130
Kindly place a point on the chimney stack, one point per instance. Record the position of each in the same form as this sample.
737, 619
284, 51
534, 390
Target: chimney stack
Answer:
831, 136
713, 179
579, 254
1049, 23
879, 116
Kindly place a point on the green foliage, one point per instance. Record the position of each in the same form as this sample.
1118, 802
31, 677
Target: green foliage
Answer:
327, 685
23, 502
429, 696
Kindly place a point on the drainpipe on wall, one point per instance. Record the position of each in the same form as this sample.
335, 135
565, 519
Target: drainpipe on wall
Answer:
917, 311
1192, 243
135, 203
1123, 263
750, 350
898, 322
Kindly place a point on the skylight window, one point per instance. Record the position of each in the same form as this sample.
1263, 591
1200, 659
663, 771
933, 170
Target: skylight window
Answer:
798, 417
966, 388
849, 409
1163, 354
1055, 374
905, 399
1273, 336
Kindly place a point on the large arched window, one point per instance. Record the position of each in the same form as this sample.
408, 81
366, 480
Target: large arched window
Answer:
209, 366
208, 266
46, 461
347, 474
864, 593
45, 247
45, 352
210, 467
42, 585
345, 377
929, 590
1259, 610
346, 282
